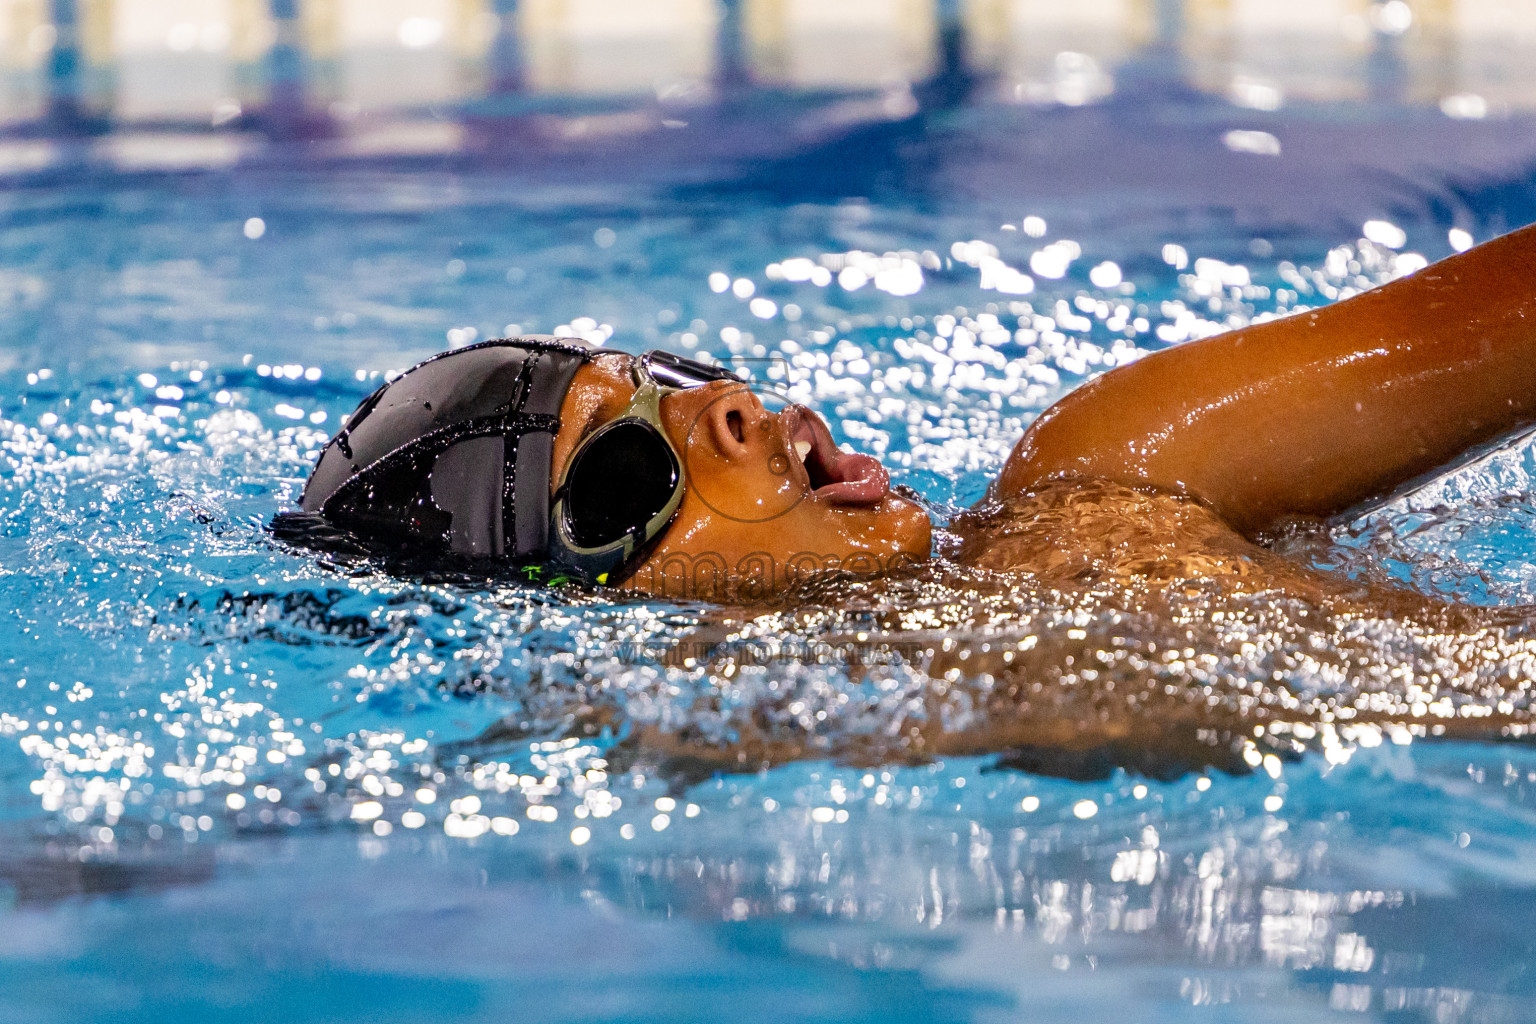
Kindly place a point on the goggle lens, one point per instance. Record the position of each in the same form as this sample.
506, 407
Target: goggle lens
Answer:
622, 478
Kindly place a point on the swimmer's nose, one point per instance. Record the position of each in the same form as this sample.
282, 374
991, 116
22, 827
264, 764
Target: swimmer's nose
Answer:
733, 421
724, 416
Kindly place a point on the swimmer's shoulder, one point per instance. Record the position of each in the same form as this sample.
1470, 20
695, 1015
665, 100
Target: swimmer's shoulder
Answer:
1085, 529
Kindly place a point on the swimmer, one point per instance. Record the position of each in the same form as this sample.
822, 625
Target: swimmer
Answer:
667, 475
663, 476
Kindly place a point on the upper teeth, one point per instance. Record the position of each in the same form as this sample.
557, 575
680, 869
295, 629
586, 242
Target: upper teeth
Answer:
802, 449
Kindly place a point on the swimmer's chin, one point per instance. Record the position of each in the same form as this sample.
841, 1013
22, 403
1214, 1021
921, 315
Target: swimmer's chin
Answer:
895, 533
890, 521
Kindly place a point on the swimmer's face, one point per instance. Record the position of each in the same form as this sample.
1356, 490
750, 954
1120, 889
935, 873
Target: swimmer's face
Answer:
768, 497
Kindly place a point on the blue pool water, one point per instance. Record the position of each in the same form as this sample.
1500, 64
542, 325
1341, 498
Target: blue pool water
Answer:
235, 782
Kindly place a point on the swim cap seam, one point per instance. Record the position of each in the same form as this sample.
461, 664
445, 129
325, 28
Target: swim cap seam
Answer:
511, 425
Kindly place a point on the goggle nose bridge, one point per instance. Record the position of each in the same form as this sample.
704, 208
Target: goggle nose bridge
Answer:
673, 372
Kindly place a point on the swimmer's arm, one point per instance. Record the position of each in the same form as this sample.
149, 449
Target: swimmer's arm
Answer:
1318, 412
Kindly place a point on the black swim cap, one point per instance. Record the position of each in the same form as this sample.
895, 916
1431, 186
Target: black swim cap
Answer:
432, 460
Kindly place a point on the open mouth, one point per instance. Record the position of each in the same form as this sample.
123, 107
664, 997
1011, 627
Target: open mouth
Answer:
840, 477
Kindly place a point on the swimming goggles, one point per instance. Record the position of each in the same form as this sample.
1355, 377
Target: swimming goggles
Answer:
624, 483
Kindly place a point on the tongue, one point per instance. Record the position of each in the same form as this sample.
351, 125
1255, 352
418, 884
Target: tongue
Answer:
848, 479
856, 480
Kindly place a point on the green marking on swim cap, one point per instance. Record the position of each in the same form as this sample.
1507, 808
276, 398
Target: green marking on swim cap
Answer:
603, 578
533, 570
